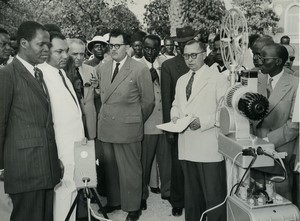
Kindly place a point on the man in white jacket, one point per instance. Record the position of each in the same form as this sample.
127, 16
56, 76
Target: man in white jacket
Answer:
197, 94
67, 121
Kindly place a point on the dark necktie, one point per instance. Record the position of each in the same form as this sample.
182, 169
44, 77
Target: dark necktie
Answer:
115, 72
38, 74
269, 87
154, 75
65, 83
189, 86
79, 84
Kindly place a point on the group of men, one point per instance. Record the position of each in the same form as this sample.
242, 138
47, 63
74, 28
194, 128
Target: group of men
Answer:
50, 98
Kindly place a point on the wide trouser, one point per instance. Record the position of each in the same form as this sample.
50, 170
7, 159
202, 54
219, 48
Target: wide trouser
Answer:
123, 170
177, 179
34, 206
151, 145
205, 187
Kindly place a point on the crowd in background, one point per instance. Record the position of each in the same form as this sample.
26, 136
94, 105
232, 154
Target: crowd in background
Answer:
114, 90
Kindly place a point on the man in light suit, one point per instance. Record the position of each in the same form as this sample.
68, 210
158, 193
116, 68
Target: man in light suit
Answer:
127, 101
197, 94
67, 120
28, 151
84, 86
277, 127
171, 70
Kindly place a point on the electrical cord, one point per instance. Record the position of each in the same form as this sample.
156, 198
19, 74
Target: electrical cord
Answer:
248, 168
230, 175
260, 151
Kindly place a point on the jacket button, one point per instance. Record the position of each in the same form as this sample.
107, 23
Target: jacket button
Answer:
113, 118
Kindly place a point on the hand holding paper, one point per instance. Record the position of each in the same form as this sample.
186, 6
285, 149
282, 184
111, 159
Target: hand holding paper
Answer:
180, 125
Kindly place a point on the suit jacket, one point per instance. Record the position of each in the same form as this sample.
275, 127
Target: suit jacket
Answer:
156, 116
127, 102
208, 87
278, 125
87, 102
27, 142
171, 70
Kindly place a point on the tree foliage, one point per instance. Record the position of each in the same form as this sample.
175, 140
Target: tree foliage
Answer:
204, 15
157, 19
260, 17
75, 17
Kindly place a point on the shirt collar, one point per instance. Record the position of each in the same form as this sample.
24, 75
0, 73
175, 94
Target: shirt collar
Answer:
121, 63
275, 78
28, 66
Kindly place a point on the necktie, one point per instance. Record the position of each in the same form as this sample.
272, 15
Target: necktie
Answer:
189, 86
154, 75
269, 87
65, 83
115, 72
79, 84
38, 74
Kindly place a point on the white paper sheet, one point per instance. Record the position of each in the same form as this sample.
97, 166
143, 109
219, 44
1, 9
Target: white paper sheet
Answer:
180, 125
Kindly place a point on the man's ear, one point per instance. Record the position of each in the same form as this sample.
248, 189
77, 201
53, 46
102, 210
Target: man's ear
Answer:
23, 43
278, 61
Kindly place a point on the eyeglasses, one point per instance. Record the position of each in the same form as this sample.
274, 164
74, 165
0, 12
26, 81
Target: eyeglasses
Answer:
117, 46
263, 59
292, 58
192, 55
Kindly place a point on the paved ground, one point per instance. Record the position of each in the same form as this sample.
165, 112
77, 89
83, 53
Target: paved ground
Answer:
158, 210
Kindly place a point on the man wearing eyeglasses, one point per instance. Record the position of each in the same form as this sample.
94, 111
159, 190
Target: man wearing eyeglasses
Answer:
277, 127
127, 97
197, 95
290, 61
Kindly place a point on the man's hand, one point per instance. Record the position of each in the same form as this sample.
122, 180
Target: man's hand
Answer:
195, 125
2, 175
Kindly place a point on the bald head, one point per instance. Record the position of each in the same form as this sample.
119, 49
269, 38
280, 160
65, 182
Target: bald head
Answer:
273, 58
257, 47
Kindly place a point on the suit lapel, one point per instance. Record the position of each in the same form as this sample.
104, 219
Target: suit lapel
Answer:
281, 89
32, 82
123, 73
200, 84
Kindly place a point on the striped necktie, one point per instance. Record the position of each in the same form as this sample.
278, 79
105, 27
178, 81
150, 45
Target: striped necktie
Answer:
115, 72
189, 86
269, 87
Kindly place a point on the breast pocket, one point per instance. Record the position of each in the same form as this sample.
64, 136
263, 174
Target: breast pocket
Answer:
29, 142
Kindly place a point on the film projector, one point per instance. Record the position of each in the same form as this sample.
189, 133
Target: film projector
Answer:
242, 104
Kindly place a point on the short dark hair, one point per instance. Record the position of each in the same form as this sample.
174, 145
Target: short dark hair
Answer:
52, 27
283, 38
3, 31
117, 32
193, 41
55, 34
282, 53
154, 38
252, 39
27, 30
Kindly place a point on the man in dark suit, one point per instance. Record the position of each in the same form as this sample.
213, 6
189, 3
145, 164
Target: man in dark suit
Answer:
171, 70
28, 151
127, 101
